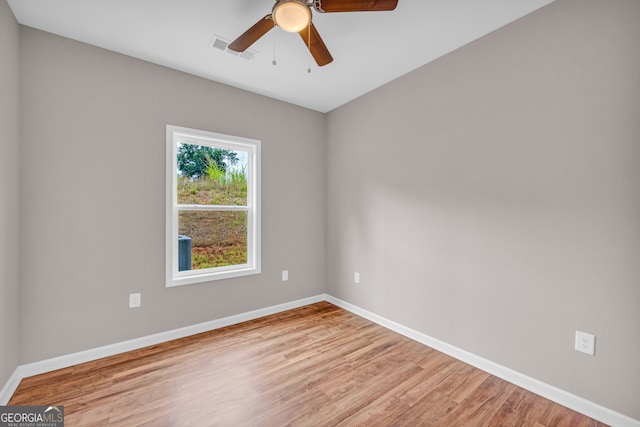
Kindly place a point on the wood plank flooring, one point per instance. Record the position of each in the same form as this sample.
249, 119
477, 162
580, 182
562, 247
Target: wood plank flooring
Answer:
317, 365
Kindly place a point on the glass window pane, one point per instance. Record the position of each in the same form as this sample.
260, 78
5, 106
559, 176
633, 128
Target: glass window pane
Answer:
218, 238
212, 206
211, 176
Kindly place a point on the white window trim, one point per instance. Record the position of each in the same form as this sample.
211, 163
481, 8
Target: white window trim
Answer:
200, 137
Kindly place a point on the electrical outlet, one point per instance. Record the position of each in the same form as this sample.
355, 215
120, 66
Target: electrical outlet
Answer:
285, 275
134, 300
356, 277
585, 343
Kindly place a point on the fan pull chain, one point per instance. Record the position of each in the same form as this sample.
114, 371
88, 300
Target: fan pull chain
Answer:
309, 47
273, 37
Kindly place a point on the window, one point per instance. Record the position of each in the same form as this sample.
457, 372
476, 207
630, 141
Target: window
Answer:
213, 206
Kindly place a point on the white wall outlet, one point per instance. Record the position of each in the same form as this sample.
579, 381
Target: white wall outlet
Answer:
134, 300
356, 277
285, 275
586, 343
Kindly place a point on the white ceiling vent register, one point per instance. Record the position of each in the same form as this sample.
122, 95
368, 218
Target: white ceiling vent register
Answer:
221, 43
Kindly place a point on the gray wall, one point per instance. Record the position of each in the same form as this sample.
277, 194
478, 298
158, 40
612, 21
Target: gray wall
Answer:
490, 199
93, 196
9, 201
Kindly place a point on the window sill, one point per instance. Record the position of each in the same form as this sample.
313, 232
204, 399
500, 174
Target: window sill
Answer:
208, 276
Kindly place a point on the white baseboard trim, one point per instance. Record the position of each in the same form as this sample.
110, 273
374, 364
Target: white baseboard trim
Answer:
11, 386
65, 361
564, 398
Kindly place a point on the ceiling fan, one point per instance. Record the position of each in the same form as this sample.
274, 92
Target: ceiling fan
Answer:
295, 16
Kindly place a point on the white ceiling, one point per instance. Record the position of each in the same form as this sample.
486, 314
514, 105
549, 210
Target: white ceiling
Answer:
369, 48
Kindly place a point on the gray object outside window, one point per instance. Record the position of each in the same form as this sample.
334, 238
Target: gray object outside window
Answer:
184, 253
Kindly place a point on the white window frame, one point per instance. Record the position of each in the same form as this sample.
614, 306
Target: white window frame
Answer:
177, 134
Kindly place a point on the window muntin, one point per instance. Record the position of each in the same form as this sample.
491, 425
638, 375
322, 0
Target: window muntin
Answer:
218, 210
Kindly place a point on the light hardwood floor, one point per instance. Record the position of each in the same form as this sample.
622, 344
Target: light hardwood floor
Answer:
317, 365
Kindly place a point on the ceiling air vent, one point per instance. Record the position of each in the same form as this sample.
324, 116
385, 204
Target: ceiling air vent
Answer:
221, 43
218, 43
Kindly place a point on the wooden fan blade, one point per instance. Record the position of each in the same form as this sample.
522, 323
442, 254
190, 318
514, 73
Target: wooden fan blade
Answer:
316, 46
355, 5
252, 35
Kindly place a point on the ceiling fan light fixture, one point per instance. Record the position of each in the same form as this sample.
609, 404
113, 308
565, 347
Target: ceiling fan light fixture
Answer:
292, 15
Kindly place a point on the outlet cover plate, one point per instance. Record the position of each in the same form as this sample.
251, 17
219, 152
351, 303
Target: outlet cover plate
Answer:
585, 343
134, 300
285, 275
